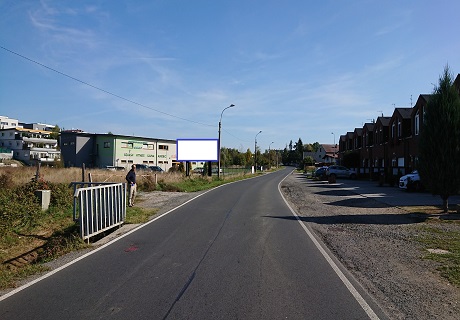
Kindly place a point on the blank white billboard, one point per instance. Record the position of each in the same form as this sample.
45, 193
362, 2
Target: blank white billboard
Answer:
197, 149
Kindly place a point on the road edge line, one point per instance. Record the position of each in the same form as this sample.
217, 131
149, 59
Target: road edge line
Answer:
364, 305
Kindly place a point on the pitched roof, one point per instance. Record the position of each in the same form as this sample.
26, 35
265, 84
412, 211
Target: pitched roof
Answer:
385, 121
404, 112
369, 126
330, 148
457, 82
358, 131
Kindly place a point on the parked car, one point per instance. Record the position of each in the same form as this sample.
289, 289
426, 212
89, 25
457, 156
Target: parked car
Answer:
156, 169
142, 167
320, 173
198, 170
411, 181
340, 172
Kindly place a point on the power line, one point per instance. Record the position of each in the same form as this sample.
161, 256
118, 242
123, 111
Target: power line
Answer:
100, 89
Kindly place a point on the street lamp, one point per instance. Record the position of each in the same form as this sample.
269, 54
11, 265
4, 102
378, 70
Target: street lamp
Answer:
255, 151
218, 150
269, 156
335, 148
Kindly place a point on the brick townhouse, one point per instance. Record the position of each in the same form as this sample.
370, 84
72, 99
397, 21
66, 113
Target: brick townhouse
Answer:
390, 146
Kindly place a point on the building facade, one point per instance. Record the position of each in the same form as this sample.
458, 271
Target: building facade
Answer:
326, 154
109, 150
30, 146
388, 147
8, 123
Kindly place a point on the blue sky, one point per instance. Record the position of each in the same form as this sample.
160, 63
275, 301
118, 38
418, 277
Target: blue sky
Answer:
167, 69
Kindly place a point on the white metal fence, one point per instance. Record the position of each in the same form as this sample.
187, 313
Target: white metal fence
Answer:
98, 207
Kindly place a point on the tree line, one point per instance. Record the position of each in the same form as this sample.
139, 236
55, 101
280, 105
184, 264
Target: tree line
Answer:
292, 154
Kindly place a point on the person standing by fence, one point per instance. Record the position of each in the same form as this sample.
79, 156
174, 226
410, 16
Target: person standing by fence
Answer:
131, 178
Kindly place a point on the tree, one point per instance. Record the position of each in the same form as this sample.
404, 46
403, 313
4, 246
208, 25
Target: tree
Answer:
315, 146
299, 150
308, 161
55, 132
439, 163
248, 156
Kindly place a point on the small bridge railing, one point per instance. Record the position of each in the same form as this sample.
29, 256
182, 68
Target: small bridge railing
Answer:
98, 207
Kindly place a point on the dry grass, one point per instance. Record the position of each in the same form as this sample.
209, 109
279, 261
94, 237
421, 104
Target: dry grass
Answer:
22, 175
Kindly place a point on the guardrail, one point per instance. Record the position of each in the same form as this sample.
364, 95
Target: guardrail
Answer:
98, 207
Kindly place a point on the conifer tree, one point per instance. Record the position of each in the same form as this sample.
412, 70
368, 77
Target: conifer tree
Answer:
439, 163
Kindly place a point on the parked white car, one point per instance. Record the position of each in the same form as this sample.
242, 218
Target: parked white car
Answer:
411, 181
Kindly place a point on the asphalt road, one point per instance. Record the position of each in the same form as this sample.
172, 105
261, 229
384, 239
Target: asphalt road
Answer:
235, 252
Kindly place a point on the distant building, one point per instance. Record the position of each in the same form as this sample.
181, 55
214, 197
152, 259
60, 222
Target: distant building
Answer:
7, 123
37, 126
326, 154
110, 150
29, 146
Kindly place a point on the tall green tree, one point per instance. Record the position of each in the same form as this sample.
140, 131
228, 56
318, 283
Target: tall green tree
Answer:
439, 163
299, 149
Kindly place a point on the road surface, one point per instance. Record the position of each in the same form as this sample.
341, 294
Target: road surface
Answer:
235, 252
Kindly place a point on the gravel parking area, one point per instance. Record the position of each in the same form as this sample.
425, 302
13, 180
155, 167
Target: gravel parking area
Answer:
377, 243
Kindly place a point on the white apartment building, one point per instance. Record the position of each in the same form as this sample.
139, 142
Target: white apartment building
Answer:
7, 123
29, 145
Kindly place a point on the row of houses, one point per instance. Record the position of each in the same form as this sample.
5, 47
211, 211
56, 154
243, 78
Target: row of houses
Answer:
389, 145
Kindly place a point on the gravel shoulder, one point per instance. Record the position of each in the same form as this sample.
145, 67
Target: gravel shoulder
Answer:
377, 244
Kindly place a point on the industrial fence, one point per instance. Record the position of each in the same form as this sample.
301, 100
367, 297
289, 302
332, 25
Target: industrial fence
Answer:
98, 207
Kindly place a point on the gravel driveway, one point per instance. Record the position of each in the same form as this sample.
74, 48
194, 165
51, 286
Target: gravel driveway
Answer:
377, 243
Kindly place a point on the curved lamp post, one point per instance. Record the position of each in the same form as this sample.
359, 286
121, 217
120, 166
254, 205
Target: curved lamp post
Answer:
220, 126
255, 151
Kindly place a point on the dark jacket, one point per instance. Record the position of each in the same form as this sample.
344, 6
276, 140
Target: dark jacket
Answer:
131, 176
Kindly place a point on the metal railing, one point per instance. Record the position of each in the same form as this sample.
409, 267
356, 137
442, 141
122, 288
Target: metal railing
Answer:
98, 207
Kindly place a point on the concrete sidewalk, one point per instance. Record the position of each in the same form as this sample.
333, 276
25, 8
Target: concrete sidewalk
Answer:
393, 195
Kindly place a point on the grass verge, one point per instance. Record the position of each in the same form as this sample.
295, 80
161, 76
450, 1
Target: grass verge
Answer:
440, 240
135, 215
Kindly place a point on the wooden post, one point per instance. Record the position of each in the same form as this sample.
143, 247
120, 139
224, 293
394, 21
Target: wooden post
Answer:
83, 173
37, 173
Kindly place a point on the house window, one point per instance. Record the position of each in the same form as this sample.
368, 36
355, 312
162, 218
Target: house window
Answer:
393, 130
128, 145
163, 147
147, 146
399, 128
106, 144
417, 123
